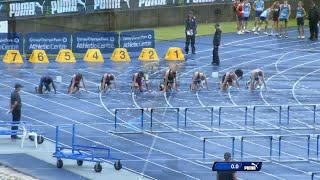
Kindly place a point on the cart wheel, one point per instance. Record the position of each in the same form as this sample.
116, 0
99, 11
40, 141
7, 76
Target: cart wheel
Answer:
117, 165
97, 167
79, 162
40, 139
59, 163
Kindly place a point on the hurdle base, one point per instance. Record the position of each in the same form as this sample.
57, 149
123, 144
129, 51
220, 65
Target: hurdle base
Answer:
315, 159
125, 132
298, 128
225, 129
195, 130
288, 161
264, 129
156, 131
260, 159
207, 161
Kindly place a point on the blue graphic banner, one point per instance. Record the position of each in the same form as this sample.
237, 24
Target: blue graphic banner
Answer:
10, 41
50, 42
136, 40
105, 41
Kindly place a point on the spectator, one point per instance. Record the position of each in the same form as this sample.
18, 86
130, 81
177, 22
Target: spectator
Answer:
246, 15
258, 7
226, 175
15, 108
216, 44
313, 22
240, 17
191, 31
264, 18
275, 18
285, 11
300, 14
235, 6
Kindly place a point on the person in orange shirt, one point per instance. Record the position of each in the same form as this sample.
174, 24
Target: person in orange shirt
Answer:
240, 17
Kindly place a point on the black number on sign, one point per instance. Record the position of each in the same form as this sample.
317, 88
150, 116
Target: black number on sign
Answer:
14, 56
122, 55
95, 55
40, 57
177, 54
151, 54
67, 56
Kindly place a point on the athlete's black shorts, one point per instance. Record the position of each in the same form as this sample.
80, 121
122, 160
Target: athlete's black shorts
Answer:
300, 21
107, 82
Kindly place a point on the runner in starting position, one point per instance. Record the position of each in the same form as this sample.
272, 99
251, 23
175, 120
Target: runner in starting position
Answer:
45, 82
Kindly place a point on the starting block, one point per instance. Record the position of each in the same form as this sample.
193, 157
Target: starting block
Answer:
38, 56
120, 55
65, 56
174, 54
148, 54
13, 57
215, 74
93, 55
59, 79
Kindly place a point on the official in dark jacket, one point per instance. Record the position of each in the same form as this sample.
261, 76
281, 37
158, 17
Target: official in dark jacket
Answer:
15, 108
216, 44
191, 31
313, 22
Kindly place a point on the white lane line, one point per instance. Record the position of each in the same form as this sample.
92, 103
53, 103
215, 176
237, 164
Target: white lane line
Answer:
104, 132
50, 125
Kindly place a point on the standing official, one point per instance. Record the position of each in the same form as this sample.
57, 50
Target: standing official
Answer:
216, 44
313, 22
15, 108
191, 31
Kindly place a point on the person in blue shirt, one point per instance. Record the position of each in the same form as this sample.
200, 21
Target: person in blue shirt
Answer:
285, 10
246, 15
258, 7
300, 14
264, 17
